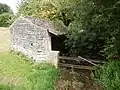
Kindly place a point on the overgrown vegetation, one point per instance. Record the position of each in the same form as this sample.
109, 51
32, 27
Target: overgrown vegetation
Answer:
93, 25
18, 73
109, 75
93, 30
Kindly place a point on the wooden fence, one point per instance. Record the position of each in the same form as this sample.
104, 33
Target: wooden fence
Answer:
79, 63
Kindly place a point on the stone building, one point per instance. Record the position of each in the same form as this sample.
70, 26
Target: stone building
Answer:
33, 37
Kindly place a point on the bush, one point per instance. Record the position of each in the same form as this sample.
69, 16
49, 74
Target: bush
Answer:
109, 75
5, 19
93, 26
101, 29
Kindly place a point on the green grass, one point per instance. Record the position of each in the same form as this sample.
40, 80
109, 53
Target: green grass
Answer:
16, 73
109, 75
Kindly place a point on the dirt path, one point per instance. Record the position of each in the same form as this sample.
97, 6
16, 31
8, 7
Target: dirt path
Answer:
4, 39
78, 80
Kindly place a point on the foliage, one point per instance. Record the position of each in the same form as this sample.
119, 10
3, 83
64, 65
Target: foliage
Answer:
94, 30
93, 25
99, 21
109, 75
34, 77
6, 19
37, 8
6, 15
45, 8
4, 9
84, 38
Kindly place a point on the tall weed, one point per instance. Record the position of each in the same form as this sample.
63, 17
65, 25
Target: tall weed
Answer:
109, 75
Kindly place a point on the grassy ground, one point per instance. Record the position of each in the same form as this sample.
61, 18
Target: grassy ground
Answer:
16, 73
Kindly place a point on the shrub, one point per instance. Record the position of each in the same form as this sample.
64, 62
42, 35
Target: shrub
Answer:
109, 75
5, 19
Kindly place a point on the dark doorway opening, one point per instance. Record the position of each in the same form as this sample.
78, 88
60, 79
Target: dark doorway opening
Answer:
58, 43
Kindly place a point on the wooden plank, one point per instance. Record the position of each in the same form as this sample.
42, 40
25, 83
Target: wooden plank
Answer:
87, 60
79, 60
67, 58
77, 66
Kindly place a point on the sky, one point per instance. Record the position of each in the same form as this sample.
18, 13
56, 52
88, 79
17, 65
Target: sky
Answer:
12, 3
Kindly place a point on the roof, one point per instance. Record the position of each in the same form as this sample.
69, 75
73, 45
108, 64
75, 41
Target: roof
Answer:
44, 23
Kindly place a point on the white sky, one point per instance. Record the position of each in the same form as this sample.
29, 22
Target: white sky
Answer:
12, 3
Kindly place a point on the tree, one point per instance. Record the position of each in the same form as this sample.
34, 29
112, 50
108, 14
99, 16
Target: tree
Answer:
4, 9
45, 8
6, 15
93, 25
99, 20
6, 19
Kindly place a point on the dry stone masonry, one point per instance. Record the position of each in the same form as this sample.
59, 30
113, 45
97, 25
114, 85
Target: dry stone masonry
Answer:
32, 37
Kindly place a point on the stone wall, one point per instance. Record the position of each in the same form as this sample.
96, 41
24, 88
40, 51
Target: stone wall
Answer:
32, 40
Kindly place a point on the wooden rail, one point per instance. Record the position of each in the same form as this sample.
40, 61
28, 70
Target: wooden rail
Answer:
77, 66
80, 60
